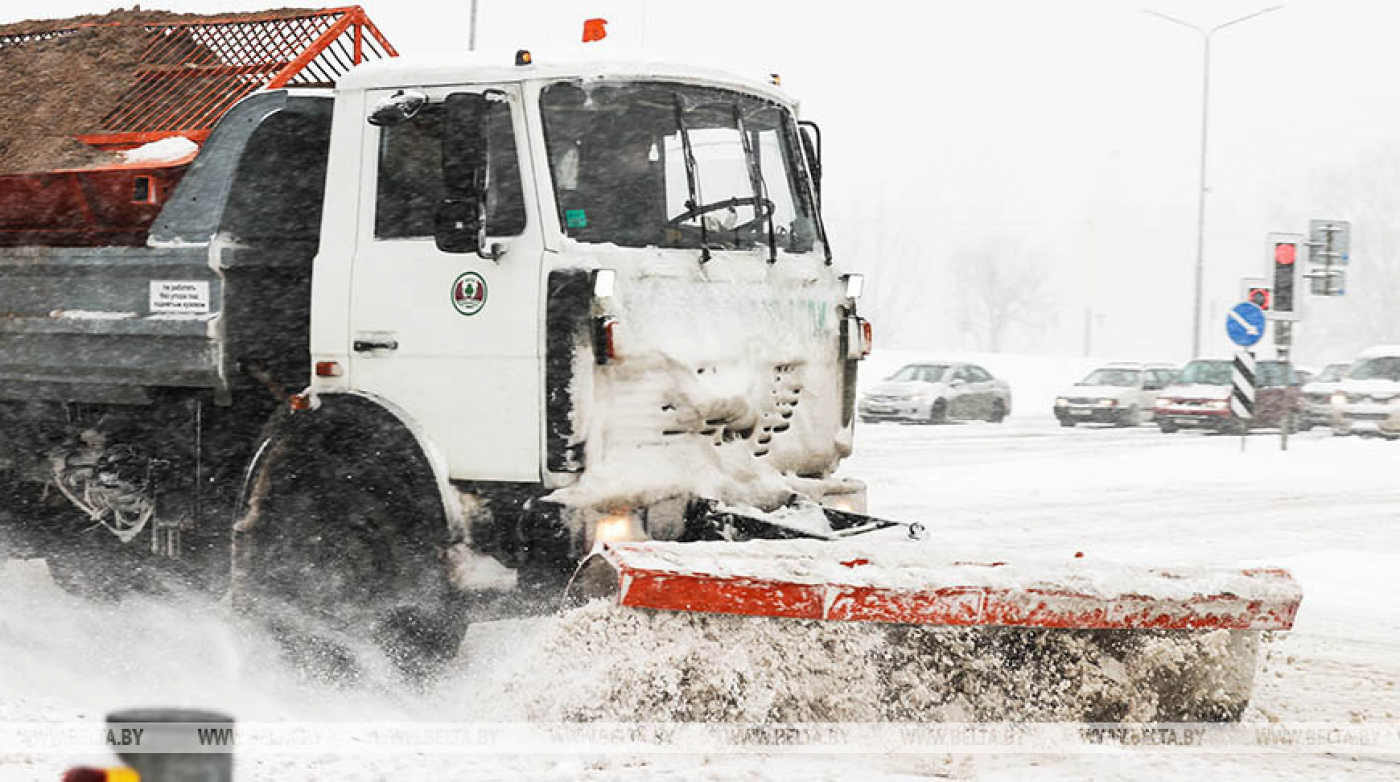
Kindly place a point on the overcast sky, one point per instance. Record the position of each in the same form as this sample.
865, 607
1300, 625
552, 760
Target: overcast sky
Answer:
1070, 128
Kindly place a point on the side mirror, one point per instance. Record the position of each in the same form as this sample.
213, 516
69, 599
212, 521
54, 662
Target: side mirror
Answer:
397, 108
812, 148
460, 226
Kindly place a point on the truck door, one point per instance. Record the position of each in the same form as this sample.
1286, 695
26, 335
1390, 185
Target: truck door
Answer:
450, 338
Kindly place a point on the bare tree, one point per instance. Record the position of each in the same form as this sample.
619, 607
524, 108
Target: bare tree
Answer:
999, 287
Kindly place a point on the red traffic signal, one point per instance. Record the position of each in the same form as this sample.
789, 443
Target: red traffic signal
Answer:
1260, 298
1287, 254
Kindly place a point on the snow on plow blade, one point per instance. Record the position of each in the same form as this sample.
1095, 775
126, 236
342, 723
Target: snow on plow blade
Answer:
899, 584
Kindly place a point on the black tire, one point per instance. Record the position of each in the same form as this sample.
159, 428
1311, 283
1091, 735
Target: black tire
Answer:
1067, 422
1130, 417
938, 412
998, 413
342, 553
1167, 427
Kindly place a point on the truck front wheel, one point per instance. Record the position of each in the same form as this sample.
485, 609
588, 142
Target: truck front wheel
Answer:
341, 552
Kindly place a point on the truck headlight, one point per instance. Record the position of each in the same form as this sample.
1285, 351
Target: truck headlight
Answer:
1165, 401
1061, 402
614, 527
1339, 398
1219, 404
1107, 402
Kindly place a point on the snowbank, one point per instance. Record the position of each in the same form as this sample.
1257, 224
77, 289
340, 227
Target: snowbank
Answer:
630, 665
166, 150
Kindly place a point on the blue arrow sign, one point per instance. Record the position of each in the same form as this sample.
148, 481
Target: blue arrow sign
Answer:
1245, 324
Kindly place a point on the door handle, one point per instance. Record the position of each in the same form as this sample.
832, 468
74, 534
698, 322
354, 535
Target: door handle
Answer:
370, 345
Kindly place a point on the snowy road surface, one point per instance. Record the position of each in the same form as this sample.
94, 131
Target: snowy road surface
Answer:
1329, 509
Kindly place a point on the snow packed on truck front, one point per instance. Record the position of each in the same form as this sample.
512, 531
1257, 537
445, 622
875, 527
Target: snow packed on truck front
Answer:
716, 367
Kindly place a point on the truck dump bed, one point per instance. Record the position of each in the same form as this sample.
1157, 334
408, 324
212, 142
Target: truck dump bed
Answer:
107, 206
100, 324
224, 283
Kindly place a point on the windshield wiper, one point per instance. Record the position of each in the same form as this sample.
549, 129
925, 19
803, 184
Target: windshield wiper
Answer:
756, 180
691, 178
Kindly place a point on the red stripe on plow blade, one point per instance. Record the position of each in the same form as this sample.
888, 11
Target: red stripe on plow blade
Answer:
794, 580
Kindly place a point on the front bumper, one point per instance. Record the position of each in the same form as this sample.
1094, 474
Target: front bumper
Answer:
1089, 414
1317, 413
1194, 417
1375, 417
894, 410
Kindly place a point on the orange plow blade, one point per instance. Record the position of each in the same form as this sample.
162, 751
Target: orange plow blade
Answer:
904, 584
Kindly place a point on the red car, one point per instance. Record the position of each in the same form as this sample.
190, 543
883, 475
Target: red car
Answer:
1200, 397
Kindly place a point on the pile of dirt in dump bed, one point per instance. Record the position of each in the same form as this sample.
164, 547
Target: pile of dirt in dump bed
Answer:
54, 89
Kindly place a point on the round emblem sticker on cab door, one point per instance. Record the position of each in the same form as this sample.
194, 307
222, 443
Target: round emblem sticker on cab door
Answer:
469, 293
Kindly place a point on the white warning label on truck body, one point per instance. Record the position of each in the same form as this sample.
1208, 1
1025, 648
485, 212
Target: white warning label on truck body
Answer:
183, 296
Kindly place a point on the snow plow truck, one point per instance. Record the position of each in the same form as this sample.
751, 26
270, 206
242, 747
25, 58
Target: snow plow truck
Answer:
577, 322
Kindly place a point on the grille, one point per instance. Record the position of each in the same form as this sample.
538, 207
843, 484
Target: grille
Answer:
773, 419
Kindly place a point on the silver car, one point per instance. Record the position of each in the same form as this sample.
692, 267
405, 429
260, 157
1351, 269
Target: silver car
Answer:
1317, 396
936, 392
1367, 401
1119, 394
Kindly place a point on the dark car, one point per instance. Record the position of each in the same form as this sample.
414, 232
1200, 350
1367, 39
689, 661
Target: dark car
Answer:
1200, 397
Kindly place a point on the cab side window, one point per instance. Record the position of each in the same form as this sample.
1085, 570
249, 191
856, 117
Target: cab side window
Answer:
977, 375
410, 187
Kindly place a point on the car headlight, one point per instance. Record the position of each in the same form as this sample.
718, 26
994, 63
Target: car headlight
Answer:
1339, 398
1219, 404
1165, 401
1106, 402
1061, 402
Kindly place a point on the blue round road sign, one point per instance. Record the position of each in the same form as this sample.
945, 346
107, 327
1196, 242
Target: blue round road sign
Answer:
1245, 324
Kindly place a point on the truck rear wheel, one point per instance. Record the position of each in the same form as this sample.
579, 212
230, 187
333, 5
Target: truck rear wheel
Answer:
341, 553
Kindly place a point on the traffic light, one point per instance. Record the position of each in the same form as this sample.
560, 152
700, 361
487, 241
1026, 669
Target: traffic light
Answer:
1287, 257
1260, 296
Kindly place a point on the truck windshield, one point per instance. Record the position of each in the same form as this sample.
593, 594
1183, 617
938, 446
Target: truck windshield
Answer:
618, 157
1206, 373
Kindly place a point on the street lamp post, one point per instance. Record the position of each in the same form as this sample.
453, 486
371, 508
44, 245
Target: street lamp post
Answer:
1205, 34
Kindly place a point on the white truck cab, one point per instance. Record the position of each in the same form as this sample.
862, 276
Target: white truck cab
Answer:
606, 284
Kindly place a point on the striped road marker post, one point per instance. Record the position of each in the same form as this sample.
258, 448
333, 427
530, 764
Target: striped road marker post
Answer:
1242, 393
